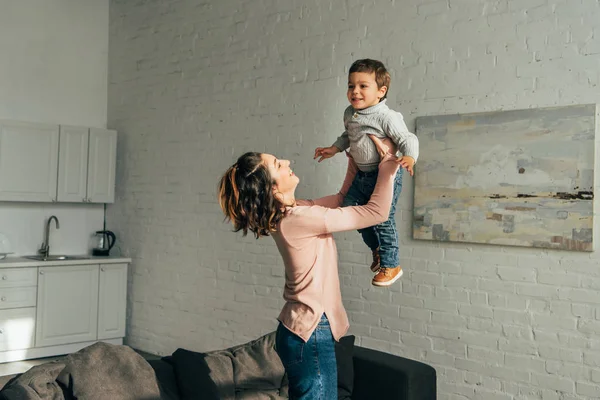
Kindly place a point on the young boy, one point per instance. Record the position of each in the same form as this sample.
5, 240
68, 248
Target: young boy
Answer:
367, 119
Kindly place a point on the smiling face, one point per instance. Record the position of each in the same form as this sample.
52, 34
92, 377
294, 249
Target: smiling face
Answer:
363, 91
285, 179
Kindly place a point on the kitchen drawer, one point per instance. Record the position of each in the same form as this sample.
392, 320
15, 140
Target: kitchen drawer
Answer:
18, 277
18, 297
17, 328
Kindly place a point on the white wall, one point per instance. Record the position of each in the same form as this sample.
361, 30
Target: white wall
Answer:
195, 84
53, 68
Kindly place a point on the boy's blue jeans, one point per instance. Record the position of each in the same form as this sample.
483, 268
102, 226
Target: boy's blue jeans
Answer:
311, 367
384, 235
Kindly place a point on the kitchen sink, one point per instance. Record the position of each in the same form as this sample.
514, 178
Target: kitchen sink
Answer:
57, 257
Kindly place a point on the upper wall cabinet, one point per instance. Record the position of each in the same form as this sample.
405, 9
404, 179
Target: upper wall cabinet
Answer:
28, 161
48, 163
101, 166
73, 164
86, 167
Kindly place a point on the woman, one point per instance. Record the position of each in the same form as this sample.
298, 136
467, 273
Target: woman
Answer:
257, 194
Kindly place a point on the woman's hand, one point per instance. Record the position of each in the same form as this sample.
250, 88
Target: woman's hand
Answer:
384, 146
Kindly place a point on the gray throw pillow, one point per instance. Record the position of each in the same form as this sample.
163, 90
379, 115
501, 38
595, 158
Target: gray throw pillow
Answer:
257, 367
221, 373
260, 395
106, 371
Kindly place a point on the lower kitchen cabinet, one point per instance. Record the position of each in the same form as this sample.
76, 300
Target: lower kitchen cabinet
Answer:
67, 309
17, 328
79, 303
112, 301
59, 309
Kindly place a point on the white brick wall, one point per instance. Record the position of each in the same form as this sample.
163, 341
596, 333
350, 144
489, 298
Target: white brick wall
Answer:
193, 84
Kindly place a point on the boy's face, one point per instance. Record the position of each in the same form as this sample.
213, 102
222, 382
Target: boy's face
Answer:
363, 91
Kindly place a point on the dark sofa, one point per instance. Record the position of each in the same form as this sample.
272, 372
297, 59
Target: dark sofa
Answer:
253, 371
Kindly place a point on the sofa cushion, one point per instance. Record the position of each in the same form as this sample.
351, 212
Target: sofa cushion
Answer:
273, 394
250, 371
344, 351
204, 375
38, 382
256, 365
167, 380
106, 371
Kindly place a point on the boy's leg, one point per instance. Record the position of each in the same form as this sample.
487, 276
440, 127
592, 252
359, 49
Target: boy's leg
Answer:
358, 195
388, 242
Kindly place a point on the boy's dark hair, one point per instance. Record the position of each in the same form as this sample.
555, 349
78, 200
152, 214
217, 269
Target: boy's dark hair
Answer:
382, 76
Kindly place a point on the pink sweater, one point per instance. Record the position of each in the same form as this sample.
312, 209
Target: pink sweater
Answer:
304, 239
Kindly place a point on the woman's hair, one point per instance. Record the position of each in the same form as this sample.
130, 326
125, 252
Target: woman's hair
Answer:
247, 198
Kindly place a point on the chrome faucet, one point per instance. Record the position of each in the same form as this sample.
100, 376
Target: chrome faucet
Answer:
45, 249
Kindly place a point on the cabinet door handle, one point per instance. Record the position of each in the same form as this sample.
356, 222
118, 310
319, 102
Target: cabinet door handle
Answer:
3, 298
102, 269
41, 272
84, 199
1, 331
4, 277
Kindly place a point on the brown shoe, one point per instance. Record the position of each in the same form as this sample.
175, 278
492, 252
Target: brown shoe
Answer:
375, 264
387, 276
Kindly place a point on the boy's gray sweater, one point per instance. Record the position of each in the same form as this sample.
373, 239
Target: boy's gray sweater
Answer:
380, 121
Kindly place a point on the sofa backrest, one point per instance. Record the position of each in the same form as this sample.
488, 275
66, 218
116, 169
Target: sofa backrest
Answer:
249, 371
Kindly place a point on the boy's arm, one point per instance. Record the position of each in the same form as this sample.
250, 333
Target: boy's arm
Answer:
343, 142
395, 128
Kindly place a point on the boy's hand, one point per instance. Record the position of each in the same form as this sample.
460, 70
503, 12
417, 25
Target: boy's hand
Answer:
408, 163
325, 152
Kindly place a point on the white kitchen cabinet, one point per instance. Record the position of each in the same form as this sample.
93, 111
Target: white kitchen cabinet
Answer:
48, 310
18, 297
73, 164
28, 161
87, 160
112, 301
18, 277
101, 166
48, 163
67, 305
17, 328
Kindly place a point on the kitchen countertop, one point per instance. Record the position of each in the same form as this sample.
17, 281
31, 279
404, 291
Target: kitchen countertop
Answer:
20, 262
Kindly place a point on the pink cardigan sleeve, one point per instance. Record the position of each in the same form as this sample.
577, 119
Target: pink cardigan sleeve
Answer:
322, 220
334, 200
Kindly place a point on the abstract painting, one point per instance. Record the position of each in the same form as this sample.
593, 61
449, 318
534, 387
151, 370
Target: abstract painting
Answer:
521, 178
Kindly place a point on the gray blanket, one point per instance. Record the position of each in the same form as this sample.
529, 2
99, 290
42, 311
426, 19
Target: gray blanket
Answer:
99, 372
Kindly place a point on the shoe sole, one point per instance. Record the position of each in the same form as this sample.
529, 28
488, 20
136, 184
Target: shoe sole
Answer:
390, 282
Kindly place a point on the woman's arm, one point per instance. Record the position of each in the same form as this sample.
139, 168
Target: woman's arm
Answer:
321, 220
334, 200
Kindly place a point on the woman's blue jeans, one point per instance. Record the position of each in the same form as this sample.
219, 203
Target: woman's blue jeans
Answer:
311, 366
